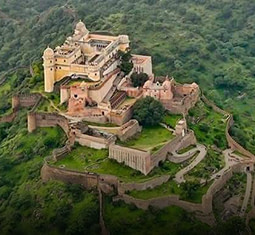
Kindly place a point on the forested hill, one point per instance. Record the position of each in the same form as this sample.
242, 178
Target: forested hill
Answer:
208, 41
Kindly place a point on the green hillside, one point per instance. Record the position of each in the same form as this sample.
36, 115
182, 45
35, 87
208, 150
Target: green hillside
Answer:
210, 42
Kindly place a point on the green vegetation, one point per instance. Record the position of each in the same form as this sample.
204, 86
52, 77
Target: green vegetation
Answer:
127, 219
171, 119
126, 63
209, 126
138, 79
212, 163
81, 158
210, 42
189, 191
148, 111
184, 150
92, 160
27, 205
149, 138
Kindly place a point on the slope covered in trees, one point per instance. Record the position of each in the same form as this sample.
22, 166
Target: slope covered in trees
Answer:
210, 42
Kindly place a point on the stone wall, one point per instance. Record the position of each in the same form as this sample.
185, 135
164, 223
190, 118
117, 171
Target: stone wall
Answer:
88, 180
232, 143
25, 100
8, 118
124, 187
47, 120
93, 141
120, 117
136, 159
128, 130
175, 144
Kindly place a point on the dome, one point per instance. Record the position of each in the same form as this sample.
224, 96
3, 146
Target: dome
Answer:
48, 52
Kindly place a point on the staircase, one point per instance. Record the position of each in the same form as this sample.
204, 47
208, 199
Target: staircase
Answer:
117, 98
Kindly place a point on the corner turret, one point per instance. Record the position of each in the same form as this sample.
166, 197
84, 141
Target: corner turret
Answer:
49, 69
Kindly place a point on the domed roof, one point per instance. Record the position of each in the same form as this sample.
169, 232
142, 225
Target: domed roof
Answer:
48, 52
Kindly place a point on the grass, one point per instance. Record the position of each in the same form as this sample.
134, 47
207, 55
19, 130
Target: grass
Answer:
149, 138
184, 150
121, 218
92, 160
82, 157
170, 188
171, 119
211, 164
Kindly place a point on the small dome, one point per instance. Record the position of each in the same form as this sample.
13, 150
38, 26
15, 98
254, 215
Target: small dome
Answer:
48, 52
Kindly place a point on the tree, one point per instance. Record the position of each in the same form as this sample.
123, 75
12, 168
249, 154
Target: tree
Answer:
148, 111
126, 64
138, 79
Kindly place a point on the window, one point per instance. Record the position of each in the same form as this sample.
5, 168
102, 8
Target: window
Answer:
51, 69
75, 96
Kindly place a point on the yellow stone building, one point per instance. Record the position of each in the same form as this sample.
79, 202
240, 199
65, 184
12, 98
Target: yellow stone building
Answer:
84, 55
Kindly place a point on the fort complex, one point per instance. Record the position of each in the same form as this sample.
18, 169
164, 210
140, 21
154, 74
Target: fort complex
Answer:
99, 96
85, 70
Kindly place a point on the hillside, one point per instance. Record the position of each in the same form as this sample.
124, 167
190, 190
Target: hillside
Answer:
210, 42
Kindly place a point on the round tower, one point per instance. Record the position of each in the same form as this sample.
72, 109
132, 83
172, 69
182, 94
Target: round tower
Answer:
49, 69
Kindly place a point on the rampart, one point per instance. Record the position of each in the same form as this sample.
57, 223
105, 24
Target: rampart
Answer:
231, 142
25, 100
136, 159
47, 120
94, 141
175, 144
124, 187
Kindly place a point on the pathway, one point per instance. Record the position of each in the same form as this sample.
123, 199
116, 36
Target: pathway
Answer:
247, 193
179, 177
179, 158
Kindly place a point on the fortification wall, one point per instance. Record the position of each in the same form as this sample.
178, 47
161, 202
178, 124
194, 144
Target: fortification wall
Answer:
124, 187
47, 120
8, 118
136, 159
175, 144
92, 141
122, 117
232, 143
88, 180
128, 130
25, 100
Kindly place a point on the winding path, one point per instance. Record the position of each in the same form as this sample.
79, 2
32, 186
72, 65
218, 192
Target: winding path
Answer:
179, 158
179, 177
